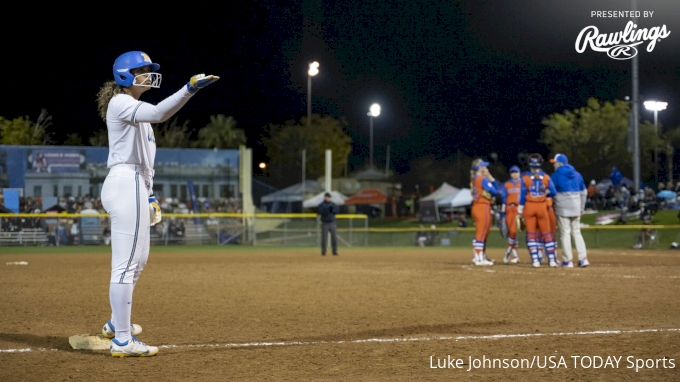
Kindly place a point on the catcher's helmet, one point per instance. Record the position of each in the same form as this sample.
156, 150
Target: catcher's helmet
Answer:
535, 160
133, 60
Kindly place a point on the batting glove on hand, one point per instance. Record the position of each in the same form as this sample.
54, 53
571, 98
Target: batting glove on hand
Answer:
154, 211
200, 81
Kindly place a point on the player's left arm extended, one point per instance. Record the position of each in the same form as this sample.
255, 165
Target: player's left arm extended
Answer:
146, 112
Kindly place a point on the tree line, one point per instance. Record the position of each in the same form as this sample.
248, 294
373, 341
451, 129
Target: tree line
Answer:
595, 137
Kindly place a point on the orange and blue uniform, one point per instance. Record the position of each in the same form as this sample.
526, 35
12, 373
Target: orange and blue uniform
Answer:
483, 191
511, 193
551, 215
533, 198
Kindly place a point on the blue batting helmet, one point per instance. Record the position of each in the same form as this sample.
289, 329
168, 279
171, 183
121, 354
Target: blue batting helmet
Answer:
132, 60
535, 160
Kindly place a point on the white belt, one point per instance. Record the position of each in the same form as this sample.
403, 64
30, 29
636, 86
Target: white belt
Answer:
136, 168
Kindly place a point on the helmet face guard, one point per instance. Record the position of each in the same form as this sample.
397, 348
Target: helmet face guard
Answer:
134, 60
151, 80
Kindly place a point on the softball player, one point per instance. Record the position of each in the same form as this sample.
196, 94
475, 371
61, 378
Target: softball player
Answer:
511, 191
553, 224
534, 209
481, 186
127, 193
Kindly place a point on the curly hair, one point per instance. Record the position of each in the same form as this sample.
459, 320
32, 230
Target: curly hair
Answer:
106, 92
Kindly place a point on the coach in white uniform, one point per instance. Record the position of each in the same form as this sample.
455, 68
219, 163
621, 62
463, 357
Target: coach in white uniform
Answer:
127, 194
569, 204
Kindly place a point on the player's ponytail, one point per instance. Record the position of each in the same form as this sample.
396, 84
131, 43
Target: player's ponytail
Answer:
106, 92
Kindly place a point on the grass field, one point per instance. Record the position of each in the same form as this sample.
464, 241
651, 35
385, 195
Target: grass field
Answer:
249, 313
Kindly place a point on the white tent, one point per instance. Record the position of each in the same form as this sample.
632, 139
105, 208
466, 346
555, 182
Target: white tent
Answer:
292, 193
444, 191
460, 199
336, 198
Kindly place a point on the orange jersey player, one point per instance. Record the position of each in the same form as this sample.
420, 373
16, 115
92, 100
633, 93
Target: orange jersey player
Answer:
511, 192
483, 191
533, 206
553, 223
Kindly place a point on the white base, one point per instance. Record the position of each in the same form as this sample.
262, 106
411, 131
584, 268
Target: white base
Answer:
89, 342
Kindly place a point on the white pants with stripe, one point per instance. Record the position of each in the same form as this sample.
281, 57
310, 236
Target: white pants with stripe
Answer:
571, 227
125, 198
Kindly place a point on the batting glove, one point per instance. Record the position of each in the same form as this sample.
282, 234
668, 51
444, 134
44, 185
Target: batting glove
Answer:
520, 210
200, 81
154, 211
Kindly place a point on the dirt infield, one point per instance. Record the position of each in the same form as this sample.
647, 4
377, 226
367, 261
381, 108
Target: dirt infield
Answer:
368, 314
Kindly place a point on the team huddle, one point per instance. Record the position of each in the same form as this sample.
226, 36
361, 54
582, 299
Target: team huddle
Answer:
529, 204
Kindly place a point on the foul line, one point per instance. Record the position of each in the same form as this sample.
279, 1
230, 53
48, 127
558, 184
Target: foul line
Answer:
419, 339
385, 340
563, 273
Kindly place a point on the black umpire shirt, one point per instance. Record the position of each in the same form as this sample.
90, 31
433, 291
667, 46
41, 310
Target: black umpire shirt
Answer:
327, 210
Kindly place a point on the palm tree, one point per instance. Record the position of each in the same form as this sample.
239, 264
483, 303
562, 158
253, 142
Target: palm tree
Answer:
220, 133
100, 138
172, 134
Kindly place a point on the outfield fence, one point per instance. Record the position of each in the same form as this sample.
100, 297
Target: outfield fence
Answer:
293, 230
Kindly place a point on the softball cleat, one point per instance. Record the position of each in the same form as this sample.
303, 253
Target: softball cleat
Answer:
108, 331
132, 348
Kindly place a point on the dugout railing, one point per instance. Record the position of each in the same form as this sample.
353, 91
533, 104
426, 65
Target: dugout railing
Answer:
295, 230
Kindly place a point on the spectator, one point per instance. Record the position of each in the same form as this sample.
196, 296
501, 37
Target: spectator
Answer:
660, 187
593, 195
570, 203
610, 198
75, 233
624, 197
615, 176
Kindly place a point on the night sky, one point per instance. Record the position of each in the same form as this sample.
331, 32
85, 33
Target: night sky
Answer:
476, 76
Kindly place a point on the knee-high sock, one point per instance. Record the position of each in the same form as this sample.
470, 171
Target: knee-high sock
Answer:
549, 241
120, 296
533, 245
512, 248
478, 246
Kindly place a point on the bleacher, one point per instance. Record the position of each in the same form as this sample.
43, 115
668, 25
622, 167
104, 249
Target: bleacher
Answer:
27, 236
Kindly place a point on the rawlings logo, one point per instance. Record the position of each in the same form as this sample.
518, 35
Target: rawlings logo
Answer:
620, 45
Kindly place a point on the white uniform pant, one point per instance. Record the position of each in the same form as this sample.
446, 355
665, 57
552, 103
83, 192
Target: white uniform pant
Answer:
571, 227
125, 198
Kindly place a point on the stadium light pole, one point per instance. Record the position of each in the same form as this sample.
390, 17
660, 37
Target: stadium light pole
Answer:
656, 106
313, 71
374, 111
636, 112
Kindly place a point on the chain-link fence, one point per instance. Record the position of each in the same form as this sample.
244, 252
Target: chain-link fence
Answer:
292, 230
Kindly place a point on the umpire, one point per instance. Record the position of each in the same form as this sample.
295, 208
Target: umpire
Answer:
327, 210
